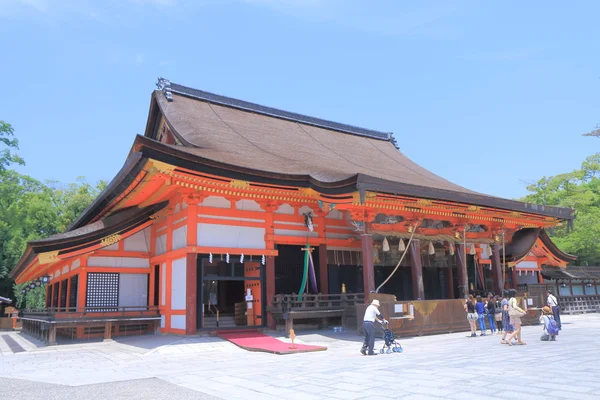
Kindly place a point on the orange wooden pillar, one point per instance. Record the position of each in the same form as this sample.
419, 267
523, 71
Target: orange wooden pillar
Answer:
191, 293
497, 270
540, 277
416, 267
323, 270
366, 242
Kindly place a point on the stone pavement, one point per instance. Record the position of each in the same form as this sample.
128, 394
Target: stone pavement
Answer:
450, 366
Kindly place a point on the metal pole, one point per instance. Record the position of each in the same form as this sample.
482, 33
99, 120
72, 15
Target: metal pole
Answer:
466, 272
503, 261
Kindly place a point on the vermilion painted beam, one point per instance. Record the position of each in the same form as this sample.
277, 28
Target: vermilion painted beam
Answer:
366, 241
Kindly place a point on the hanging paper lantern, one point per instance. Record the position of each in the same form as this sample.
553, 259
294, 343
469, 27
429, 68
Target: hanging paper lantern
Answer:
386, 245
431, 250
263, 259
242, 258
401, 246
519, 272
451, 248
210, 258
472, 250
227, 258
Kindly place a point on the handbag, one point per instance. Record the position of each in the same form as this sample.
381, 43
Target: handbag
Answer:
513, 312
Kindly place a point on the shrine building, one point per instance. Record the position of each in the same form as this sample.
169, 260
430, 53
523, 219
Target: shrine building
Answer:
221, 202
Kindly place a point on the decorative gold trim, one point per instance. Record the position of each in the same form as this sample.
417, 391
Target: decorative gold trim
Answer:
162, 167
474, 208
109, 240
48, 257
308, 192
424, 202
239, 184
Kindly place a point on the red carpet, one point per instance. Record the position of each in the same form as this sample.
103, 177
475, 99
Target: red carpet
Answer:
256, 341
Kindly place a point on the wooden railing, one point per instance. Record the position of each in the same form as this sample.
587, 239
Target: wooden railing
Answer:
579, 304
62, 313
290, 302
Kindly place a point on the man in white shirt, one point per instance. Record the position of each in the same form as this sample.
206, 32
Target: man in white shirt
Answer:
553, 304
371, 314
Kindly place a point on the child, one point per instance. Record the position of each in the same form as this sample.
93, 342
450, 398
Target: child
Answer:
550, 325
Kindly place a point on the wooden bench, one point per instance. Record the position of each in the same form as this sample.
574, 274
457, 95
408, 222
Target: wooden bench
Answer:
317, 306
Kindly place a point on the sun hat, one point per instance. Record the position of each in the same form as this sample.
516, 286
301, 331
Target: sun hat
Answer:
375, 302
546, 310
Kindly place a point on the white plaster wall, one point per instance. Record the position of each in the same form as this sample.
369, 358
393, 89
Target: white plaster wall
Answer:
119, 262
305, 209
178, 322
334, 235
133, 290
230, 236
114, 246
161, 244
335, 214
248, 205
285, 209
292, 232
139, 241
216, 201
65, 269
163, 284
179, 237
162, 321
178, 280
527, 264
76, 264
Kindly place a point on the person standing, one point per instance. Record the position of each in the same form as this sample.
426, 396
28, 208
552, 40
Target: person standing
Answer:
491, 312
515, 313
553, 304
480, 308
508, 327
498, 314
371, 314
471, 314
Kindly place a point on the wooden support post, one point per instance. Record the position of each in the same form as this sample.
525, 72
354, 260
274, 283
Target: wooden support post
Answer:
417, 270
515, 280
540, 277
461, 269
191, 293
52, 335
270, 278
366, 241
450, 279
497, 270
323, 270
108, 331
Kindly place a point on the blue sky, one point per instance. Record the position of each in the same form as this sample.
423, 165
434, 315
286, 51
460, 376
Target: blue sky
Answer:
490, 95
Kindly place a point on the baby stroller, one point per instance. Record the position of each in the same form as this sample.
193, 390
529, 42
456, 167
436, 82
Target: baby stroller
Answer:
389, 341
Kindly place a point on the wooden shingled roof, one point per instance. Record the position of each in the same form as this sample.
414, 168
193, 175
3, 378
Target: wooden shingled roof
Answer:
277, 143
267, 139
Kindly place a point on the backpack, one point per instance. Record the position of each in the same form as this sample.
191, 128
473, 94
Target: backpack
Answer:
552, 327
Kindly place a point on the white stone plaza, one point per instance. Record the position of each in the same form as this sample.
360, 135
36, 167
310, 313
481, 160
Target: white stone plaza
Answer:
450, 366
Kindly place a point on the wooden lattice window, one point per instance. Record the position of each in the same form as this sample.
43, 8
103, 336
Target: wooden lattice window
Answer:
102, 291
73, 292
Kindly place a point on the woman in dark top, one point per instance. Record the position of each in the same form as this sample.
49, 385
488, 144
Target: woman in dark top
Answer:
498, 316
480, 308
471, 314
491, 311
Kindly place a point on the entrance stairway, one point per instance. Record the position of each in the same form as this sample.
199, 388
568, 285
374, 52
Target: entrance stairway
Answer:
225, 321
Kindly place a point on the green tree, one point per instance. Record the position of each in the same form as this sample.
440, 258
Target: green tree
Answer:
7, 157
580, 190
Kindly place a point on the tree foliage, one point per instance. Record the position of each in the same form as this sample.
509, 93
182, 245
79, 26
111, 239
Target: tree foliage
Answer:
7, 157
580, 190
30, 209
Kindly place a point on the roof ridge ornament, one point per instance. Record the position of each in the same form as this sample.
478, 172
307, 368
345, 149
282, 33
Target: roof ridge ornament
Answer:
165, 85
